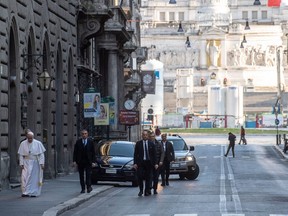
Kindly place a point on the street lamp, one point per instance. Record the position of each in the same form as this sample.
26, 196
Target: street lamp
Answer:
180, 29
44, 81
247, 27
172, 2
188, 42
257, 2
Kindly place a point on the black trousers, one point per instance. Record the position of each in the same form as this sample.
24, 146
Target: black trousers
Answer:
144, 173
87, 169
231, 146
155, 178
165, 171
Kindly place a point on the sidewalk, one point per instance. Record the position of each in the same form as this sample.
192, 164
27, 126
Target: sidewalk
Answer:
58, 195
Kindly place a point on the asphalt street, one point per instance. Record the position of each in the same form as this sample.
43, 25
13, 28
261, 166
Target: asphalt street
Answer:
63, 193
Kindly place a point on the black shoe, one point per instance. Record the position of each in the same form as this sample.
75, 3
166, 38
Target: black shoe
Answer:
82, 191
163, 184
155, 192
225, 155
140, 193
89, 189
147, 194
25, 195
167, 183
32, 196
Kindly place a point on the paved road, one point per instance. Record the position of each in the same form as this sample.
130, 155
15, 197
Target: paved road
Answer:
254, 183
61, 194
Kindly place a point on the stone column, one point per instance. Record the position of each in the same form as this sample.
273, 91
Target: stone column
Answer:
203, 55
113, 82
223, 53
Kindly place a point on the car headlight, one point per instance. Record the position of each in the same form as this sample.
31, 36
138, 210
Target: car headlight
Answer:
129, 166
189, 158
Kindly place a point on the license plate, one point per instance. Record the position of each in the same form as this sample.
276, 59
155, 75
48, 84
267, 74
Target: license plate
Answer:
175, 165
111, 171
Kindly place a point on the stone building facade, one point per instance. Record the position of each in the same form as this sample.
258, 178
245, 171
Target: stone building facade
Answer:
236, 40
80, 44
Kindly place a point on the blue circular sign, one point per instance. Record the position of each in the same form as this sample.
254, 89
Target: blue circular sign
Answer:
277, 121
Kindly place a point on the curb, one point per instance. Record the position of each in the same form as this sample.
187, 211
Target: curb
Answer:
281, 151
72, 203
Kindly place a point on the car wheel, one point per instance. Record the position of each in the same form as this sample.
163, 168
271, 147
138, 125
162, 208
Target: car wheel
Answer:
182, 176
192, 175
134, 184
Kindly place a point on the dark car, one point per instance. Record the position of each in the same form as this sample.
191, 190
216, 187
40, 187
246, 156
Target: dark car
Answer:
114, 162
185, 162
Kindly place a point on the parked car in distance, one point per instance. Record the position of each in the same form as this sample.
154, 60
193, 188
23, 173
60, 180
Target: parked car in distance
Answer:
114, 162
185, 164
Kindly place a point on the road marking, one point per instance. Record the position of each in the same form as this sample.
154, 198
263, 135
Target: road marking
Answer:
218, 156
278, 215
138, 215
185, 214
235, 196
202, 157
222, 204
233, 214
246, 157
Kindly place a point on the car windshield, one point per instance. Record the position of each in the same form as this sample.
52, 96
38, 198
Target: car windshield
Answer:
178, 144
116, 149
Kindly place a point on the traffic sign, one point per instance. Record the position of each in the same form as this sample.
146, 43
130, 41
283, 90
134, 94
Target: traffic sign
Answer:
277, 121
150, 111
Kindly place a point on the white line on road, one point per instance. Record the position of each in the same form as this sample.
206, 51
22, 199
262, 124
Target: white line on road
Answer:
185, 214
235, 196
222, 204
278, 215
233, 214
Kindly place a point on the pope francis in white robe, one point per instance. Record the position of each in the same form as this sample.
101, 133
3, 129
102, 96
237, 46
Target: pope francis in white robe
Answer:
31, 158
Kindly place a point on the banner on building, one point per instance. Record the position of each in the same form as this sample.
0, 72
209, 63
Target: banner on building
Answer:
103, 118
91, 101
148, 82
274, 3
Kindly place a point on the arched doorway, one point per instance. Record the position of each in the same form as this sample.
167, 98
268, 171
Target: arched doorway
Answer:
13, 104
59, 111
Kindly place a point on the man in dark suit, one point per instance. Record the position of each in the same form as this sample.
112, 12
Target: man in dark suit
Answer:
169, 156
159, 161
84, 158
144, 162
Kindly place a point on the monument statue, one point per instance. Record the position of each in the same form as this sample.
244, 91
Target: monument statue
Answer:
214, 52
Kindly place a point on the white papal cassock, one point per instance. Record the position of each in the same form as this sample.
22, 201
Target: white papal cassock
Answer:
31, 155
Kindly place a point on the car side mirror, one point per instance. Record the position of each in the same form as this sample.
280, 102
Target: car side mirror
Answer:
192, 148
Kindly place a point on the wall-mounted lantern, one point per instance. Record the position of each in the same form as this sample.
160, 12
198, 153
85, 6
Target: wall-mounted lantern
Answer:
44, 79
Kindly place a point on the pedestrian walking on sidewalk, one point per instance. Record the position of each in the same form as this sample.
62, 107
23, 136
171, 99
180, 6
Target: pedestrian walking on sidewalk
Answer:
242, 136
144, 162
31, 160
232, 139
84, 159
